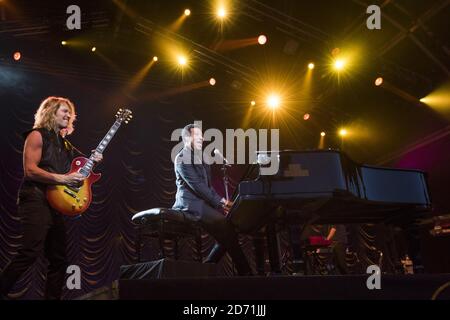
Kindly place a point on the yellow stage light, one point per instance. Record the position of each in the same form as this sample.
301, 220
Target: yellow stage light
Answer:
212, 81
273, 101
221, 12
339, 64
93, 49
322, 134
253, 103
63, 42
311, 66
343, 132
187, 12
182, 60
155, 58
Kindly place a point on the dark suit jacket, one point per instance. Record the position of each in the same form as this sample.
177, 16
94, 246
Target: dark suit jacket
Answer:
193, 184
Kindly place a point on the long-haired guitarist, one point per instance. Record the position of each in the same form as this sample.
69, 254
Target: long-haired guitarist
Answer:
47, 155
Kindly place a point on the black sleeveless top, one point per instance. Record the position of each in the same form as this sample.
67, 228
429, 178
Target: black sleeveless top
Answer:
57, 155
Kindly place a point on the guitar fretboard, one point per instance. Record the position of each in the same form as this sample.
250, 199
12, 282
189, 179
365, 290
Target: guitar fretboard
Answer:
87, 168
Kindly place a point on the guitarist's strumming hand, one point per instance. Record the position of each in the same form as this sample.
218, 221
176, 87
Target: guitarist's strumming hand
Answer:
75, 179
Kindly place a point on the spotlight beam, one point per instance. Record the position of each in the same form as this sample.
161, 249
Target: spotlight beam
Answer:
176, 25
175, 91
247, 73
228, 45
321, 144
140, 75
401, 93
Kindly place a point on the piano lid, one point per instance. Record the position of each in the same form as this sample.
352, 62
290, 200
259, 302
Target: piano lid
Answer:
319, 171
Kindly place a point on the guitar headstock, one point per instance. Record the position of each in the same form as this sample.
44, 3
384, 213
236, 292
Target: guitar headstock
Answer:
124, 115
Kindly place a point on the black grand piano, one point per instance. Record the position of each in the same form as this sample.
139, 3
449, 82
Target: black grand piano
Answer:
326, 187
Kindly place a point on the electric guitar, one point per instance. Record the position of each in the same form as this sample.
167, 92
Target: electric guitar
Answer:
73, 201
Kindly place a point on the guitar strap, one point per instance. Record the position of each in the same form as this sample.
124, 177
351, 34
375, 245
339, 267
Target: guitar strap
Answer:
67, 145
70, 146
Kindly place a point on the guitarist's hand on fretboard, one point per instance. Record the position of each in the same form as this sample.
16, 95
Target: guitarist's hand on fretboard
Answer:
97, 157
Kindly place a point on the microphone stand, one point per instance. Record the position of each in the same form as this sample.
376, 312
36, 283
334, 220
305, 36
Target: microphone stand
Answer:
226, 180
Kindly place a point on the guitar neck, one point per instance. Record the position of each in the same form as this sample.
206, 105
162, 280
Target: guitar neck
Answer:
107, 138
87, 168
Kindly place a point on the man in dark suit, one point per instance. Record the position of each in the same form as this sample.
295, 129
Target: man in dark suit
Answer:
196, 196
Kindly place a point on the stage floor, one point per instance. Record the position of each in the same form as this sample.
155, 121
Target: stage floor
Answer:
393, 287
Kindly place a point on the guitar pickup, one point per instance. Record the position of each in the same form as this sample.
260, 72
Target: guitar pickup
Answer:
70, 193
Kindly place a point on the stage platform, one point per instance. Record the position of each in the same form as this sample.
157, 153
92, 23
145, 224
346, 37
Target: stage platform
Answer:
393, 287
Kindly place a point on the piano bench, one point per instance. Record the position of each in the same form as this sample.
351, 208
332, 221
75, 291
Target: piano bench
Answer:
167, 224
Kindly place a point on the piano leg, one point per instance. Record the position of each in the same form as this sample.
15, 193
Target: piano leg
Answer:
273, 248
298, 259
258, 244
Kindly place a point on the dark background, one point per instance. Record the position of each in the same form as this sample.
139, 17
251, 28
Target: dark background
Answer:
410, 52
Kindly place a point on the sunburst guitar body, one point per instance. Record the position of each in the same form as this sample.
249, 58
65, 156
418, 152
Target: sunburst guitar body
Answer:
74, 201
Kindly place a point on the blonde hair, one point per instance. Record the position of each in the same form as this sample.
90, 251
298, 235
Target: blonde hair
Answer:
45, 114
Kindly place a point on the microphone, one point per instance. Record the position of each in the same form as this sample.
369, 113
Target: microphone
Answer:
218, 153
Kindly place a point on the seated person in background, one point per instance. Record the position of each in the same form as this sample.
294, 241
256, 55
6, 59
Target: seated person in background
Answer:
336, 234
198, 199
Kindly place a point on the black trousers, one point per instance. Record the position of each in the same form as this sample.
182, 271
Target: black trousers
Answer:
43, 231
220, 227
